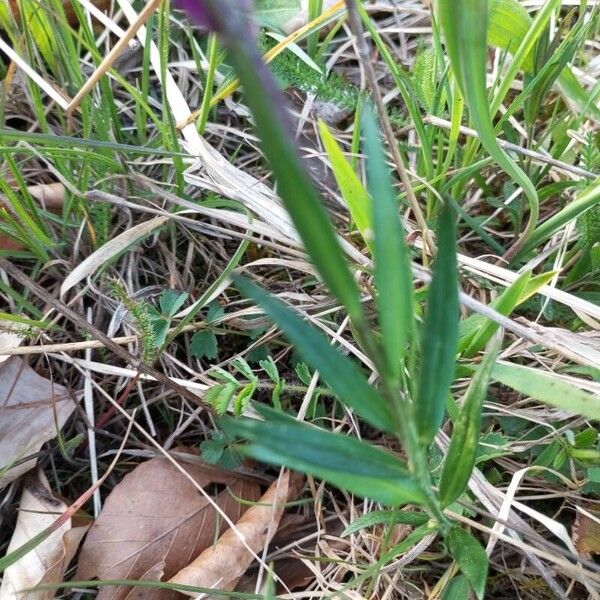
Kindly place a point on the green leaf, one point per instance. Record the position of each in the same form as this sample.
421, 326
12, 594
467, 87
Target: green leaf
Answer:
160, 328
220, 395
171, 301
275, 13
339, 372
351, 188
243, 398
393, 275
462, 452
212, 450
440, 332
294, 185
204, 345
458, 589
476, 331
470, 557
508, 25
548, 388
386, 517
587, 199
270, 368
342, 460
465, 24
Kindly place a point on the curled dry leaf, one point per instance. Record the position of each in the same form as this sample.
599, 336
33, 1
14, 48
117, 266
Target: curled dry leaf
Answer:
107, 252
155, 522
586, 530
47, 562
222, 565
31, 409
8, 339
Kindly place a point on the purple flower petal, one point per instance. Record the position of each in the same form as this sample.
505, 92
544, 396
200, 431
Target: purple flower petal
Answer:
197, 12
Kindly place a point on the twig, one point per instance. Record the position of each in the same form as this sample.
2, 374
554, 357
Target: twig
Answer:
115, 52
537, 156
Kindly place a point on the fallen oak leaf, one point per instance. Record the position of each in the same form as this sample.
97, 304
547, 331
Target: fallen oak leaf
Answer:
47, 563
154, 522
31, 408
222, 565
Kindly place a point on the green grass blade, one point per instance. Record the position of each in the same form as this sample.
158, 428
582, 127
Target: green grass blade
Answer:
341, 374
393, 275
476, 331
587, 199
342, 460
351, 188
386, 517
548, 388
460, 459
465, 24
440, 333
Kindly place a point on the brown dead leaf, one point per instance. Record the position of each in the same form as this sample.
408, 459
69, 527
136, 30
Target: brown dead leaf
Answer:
155, 522
39, 508
586, 530
30, 407
222, 565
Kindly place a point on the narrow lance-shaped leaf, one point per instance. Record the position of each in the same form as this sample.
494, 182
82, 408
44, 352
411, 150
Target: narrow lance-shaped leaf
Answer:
393, 275
341, 373
342, 460
460, 459
549, 388
470, 557
480, 329
274, 127
351, 188
465, 24
440, 333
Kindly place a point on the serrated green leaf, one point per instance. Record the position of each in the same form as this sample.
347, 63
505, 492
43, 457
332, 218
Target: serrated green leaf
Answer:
204, 345
341, 460
393, 275
440, 332
470, 557
171, 301
243, 398
219, 396
460, 459
270, 368
339, 372
243, 367
351, 188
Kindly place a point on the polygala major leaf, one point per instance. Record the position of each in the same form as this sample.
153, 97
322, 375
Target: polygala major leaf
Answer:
342, 460
440, 332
